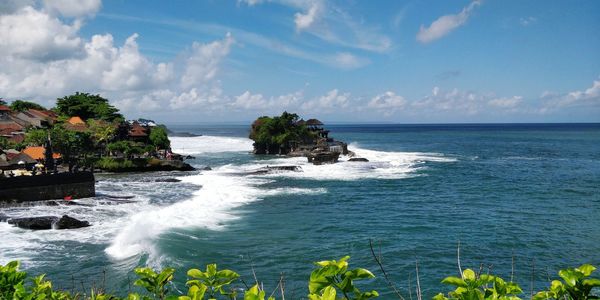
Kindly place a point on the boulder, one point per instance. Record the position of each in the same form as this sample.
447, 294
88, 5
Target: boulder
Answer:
358, 159
67, 222
34, 223
207, 168
273, 169
168, 180
4, 218
323, 157
48, 222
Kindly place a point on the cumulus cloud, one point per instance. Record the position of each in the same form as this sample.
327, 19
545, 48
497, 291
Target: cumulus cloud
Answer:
387, 100
506, 102
589, 97
258, 102
32, 34
328, 102
73, 8
43, 57
445, 24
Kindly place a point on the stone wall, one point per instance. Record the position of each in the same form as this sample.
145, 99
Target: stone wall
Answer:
46, 187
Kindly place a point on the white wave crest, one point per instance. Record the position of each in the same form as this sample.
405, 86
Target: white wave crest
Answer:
209, 144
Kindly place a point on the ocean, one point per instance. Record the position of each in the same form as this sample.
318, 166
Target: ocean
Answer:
522, 197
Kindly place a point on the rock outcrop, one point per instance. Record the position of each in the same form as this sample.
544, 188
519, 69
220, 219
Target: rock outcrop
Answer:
48, 222
323, 157
358, 159
275, 169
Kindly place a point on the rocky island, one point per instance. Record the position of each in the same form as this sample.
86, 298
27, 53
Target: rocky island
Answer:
289, 135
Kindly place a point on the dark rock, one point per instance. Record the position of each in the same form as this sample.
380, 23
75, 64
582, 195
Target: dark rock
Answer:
189, 157
4, 218
168, 180
67, 222
268, 169
323, 157
207, 168
48, 222
358, 159
35, 223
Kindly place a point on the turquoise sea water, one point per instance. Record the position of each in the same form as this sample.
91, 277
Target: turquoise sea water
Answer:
525, 192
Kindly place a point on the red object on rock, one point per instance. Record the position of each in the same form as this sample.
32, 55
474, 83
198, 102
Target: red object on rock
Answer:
68, 198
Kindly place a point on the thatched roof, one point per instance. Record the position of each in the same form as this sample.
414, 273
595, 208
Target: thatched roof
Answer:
313, 122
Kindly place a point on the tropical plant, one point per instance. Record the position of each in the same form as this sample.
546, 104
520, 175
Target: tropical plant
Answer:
211, 282
576, 284
10, 277
154, 283
477, 287
158, 137
335, 274
274, 135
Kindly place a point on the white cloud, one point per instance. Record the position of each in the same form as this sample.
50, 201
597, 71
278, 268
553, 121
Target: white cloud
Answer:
527, 21
387, 101
73, 8
445, 24
506, 102
202, 64
333, 100
305, 20
32, 34
589, 97
249, 101
345, 60
43, 58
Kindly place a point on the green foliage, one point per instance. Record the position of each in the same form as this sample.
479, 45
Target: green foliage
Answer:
71, 144
254, 293
87, 106
129, 148
113, 164
154, 283
274, 135
36, 137
474, 287
576, 284
22, 105
101, 131
212, 281
335, 274
158, 137
10, 277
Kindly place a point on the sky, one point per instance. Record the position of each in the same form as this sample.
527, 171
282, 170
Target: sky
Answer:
353, 61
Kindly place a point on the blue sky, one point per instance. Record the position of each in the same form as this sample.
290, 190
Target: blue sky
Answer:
340, 61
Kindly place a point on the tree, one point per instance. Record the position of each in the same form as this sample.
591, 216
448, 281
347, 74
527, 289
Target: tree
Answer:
71, 145
22, 105
101, 132
36, 137
275, 135
158, 137
87, 106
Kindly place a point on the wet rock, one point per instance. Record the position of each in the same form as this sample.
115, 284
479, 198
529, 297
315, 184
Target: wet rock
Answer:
323, 157
207, 168
34, 223
168, 180
48, 222
67, 222
358, 159
4, 218
269, 169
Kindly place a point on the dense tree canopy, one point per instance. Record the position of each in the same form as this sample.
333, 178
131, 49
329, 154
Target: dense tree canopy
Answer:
22, 105
87, 106
158, 137
274, 135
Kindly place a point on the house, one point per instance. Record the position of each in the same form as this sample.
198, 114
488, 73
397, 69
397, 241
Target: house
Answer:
38, 153
75, 124
4, 112
31, 119
138, 133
